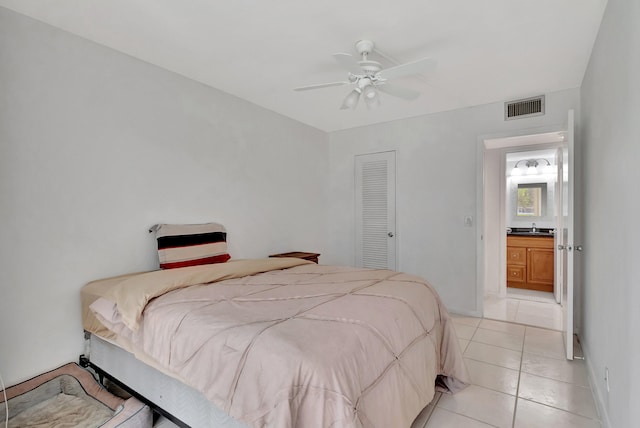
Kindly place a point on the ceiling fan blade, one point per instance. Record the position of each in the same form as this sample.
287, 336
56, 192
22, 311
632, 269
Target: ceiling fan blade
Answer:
416, 67
399, 91
348, 62
321, 85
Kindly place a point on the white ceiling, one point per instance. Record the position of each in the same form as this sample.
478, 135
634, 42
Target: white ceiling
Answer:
487, 51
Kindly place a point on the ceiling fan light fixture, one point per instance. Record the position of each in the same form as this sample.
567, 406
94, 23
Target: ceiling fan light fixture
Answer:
548, 169
351, 100
369, 92
371, 98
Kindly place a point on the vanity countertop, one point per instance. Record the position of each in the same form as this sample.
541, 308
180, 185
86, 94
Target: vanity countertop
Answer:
527, 231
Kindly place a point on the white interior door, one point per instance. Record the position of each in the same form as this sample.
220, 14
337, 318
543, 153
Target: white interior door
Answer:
375, 188
560, 236
566, 249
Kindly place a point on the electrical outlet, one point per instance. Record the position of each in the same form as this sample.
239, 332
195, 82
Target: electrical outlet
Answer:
606, 378
468, 221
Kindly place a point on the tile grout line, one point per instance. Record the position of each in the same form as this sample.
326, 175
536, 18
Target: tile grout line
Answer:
493, 364
490, 389
464, 416
559, 381
515, 407
515, 316
533, 401
562, 410
522, 323
438, 401
516, 313
497, 346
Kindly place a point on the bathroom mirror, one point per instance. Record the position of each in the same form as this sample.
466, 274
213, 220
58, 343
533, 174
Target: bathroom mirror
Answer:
532, 200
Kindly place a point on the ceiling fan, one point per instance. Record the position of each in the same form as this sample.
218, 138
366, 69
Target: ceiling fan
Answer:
368, 77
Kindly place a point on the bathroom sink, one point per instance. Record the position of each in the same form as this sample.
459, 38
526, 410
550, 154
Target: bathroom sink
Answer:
530, 233
520, 231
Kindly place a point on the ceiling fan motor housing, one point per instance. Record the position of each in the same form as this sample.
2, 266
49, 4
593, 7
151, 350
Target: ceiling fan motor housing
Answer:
364, 47
370, 67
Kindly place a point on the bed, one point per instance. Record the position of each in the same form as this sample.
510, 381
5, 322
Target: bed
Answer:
278, 342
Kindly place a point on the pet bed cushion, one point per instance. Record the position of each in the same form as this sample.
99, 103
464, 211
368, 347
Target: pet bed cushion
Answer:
70, 397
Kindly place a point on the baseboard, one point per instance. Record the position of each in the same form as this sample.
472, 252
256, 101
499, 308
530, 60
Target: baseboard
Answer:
598, 395
465, 313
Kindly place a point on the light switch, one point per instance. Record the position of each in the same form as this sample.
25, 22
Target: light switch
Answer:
468, 221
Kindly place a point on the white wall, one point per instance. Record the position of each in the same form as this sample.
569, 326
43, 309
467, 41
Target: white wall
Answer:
95, 147
610, 99
437, 183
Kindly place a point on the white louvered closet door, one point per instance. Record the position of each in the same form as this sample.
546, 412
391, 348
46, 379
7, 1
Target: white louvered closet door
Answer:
376, 210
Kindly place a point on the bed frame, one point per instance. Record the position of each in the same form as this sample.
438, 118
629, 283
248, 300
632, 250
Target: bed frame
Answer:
167, 396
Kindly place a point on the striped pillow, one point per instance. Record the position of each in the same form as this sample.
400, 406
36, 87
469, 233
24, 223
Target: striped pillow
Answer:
181, 245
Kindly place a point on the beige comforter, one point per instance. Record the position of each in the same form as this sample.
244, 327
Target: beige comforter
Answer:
305, 346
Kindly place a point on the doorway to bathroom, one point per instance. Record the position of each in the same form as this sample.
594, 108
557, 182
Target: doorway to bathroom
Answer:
522, 198
528, 196
492, 237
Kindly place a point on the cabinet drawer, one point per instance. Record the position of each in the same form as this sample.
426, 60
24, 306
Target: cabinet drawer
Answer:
516, 256
515, 274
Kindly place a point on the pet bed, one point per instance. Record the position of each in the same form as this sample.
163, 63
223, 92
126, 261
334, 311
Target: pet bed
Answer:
69, 396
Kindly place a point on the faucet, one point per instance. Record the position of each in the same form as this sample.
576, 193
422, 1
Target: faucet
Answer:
533, 228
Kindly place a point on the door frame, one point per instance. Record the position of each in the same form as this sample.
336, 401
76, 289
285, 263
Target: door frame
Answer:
525, 139
503, 203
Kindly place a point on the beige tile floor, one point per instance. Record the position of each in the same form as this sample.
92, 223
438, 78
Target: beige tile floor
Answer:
537, 309
520, 379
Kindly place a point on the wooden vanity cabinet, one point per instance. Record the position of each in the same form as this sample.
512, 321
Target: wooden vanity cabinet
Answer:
530, 262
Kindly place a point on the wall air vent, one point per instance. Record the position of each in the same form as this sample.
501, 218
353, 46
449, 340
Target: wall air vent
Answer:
527, 107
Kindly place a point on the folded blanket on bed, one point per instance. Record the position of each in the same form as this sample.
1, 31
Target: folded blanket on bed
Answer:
132, 293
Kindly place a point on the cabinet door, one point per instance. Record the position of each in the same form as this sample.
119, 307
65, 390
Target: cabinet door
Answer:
540, 268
